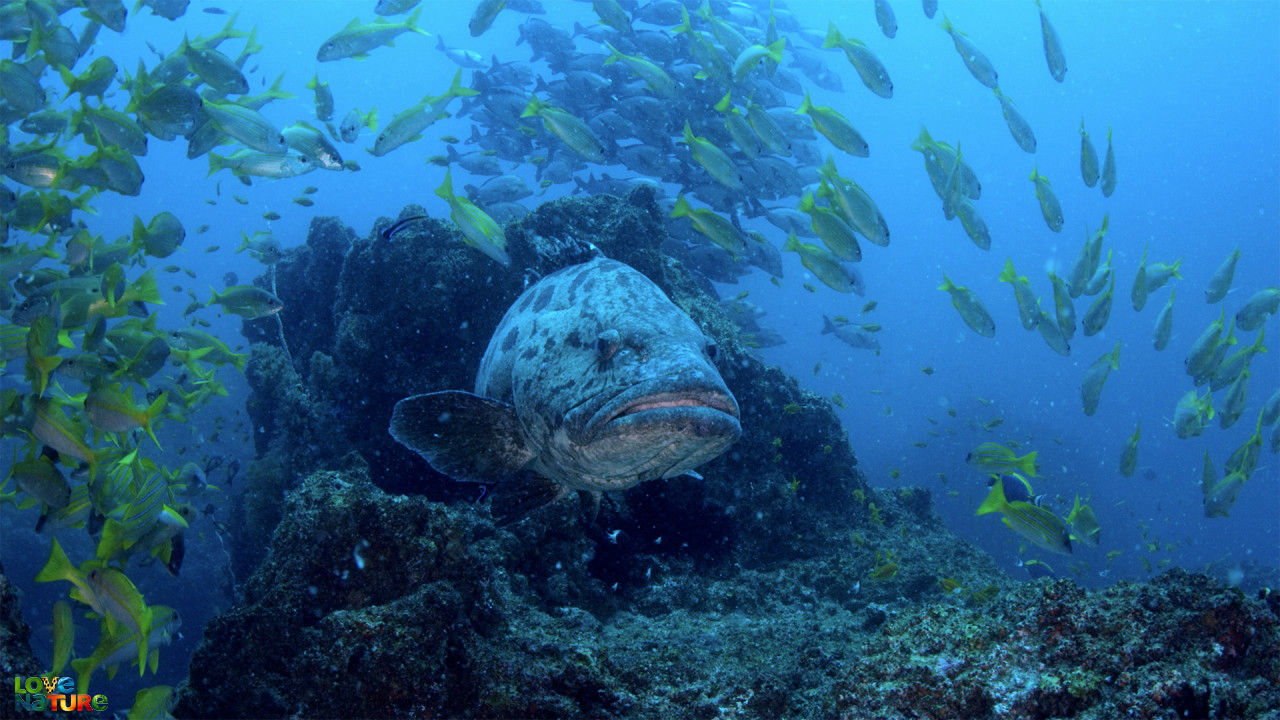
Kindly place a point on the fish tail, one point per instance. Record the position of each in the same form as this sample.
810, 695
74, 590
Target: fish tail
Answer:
457, 89
1008, 274
446, 188
834, 37
1027, 464
806, 105
995, 501
412, 23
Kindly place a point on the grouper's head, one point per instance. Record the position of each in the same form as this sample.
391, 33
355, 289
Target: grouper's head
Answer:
613, 382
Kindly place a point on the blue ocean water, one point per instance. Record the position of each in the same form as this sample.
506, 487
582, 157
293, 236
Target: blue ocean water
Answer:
1189, 91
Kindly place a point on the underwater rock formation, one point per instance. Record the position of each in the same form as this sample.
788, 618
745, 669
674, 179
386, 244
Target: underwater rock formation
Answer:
16, 658
374, 605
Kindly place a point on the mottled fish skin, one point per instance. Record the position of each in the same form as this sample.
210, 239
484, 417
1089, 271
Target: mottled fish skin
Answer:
586, 342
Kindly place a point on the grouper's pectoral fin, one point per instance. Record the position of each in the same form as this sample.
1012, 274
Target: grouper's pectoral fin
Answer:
465, 436
519, 496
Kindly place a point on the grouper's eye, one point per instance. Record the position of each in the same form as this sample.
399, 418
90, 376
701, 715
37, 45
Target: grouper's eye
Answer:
608, 342
711, 349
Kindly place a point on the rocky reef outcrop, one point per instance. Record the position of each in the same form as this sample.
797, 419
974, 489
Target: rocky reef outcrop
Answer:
16, 658
376, 605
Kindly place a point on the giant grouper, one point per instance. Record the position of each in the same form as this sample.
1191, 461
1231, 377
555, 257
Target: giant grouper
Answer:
593, 380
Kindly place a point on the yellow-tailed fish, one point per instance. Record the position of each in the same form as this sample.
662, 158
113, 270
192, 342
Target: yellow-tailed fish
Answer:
1231, 366
1129, 456
247, 301
831, 228
871, 71
1222, 494
246, 125
767, 129
719, 230
42, 480
1160, 273
835, 127
612, 14
244, 163
739, 128
1038, 525
123, 604
712, 159
1258, 308
1109, 168
999, 459
1064, 309
1244, 459
409, 123
160, 237
1028, 305
654, 77
971, 309
312, 144
323, 97
1095, 377
479, 230
823, 264
1052, 47
1192, 414
1138, 294
1095, 318
750, 57
1021, 130
357, 39
572, 131
1049, 207
64, 635
59, 567
1233, 404
1088, 158
1199, 360
42, 352
485, 13
1164, 324
977, 63
112, 408
213, 68
1051, 331
1220, 284
1084, 524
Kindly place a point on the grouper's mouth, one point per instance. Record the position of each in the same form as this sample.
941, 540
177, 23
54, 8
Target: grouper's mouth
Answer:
660, 401
690, 407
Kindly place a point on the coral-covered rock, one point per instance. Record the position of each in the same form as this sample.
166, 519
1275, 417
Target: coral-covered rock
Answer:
16, 658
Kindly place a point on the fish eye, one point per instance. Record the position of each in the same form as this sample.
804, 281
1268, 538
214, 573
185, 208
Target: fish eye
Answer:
711, 349
608, 342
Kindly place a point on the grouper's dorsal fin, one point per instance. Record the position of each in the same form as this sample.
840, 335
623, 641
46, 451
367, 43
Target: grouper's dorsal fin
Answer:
463, 435
557, 253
